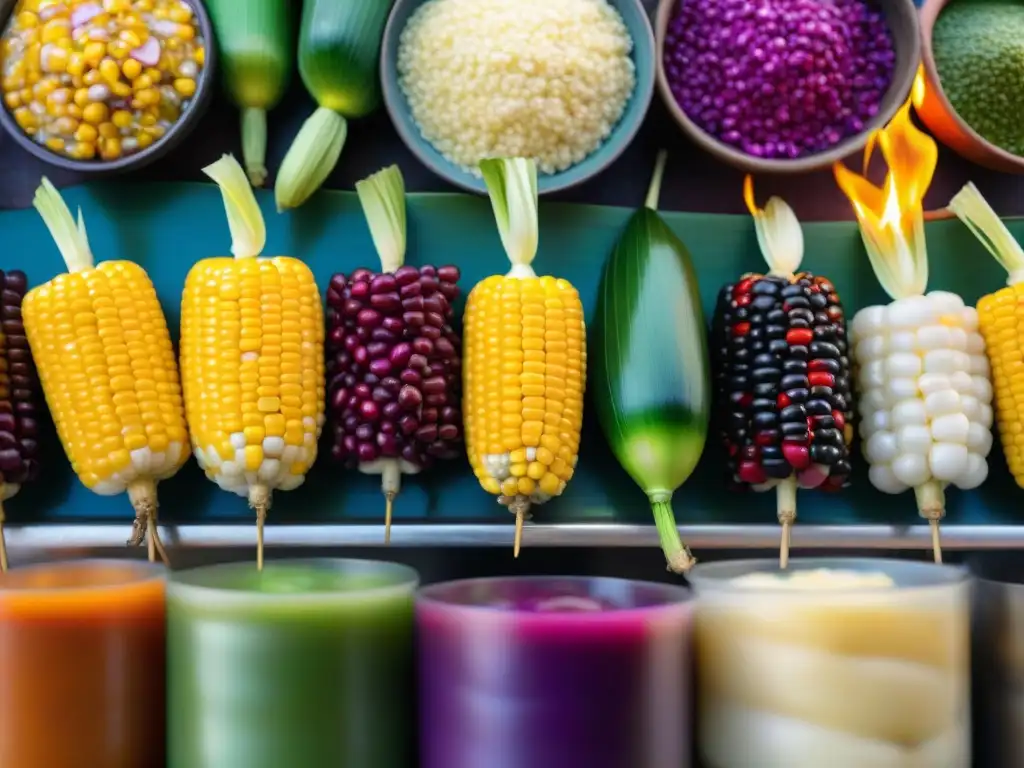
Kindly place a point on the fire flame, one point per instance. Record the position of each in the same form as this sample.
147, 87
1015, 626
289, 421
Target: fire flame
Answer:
891, 217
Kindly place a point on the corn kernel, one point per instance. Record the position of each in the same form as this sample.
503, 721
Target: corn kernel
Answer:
186, 86
55, 30
111, 147
25, 119
95, 113
110, 70
93, 53
122, 118
131, 69
83, 151
86, 133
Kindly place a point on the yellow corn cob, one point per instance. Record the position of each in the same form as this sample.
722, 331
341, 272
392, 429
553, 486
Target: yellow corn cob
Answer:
252, 358
1001, 322
524, 358
106, 363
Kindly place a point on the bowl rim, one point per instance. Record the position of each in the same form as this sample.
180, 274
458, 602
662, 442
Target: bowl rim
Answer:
927, 17
395, 104
902, 83
174, 136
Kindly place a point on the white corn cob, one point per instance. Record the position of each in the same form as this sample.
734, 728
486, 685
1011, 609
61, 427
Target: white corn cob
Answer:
925, 396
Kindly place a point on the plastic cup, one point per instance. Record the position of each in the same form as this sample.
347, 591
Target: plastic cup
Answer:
82, 665
836, 674
998, 651
554, 672
307, 663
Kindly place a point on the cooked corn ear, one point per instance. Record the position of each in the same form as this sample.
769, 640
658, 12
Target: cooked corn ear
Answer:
525, 360
252, 358
107, 366
1001, 324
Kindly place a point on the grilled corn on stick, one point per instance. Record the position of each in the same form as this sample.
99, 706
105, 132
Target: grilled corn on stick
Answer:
107, 366
1001, 322
923, 376
783, 371
252, 358
524, 361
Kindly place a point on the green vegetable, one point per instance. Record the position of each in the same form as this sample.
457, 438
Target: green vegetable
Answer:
979, 54
650, 367
339, 52
254, 39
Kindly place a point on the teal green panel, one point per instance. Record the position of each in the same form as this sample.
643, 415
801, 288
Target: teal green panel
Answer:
167, 228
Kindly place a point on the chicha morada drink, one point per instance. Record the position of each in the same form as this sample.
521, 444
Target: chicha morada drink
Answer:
393, 359
843, 663
782, 371
537, 672
780, 79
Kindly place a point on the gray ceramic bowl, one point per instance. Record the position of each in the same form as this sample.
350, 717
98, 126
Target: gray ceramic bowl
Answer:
174, 136
635, 18
902, 18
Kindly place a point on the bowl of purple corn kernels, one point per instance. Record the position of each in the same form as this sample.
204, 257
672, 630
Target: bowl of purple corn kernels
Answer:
785, 86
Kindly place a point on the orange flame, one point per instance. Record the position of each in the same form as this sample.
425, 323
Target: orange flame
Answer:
891, 217
911, 156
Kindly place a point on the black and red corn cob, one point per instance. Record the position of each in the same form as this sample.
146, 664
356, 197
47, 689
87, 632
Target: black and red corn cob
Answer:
783, 386
783, 381
20, 398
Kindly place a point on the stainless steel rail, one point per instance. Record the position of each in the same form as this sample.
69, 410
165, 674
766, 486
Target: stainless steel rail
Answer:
963, 537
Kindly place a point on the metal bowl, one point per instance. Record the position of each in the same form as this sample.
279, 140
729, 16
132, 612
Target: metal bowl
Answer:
635, 18
901, 16
938, 114
205, 86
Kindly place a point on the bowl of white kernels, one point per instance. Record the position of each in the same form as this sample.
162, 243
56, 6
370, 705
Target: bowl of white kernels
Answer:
565, 82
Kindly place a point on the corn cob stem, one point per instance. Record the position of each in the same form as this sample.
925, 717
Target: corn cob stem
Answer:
259, 500
142, 494
785, 502
677, 554
931, 505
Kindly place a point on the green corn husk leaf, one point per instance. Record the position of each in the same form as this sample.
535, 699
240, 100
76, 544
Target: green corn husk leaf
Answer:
311, 158
650, 364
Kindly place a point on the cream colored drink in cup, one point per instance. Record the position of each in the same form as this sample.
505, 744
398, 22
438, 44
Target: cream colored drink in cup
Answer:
837, 664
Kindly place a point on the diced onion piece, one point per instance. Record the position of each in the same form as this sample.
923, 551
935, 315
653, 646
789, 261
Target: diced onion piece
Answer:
148, 54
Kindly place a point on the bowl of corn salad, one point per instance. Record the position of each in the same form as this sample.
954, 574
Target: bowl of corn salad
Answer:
96, 86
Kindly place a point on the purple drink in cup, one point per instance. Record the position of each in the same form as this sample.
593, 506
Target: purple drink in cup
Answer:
554, 672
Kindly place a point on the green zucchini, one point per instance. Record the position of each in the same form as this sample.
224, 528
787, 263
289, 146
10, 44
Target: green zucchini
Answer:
339, 52
254, 40
650, 365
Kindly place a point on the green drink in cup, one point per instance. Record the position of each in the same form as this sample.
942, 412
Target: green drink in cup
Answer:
307, 663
